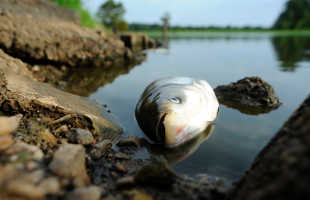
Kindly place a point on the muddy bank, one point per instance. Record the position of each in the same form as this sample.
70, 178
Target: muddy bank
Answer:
39, 31
59, 147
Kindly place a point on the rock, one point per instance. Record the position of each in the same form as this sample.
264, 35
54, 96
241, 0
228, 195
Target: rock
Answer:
86, 193
156, 172
18, 182
138, 195
81, 136
47, 136
5, 142
20, 93
282, 168
250, 95
130, 141
122, 156
125, 181
100, 148
32, 152
9, 124
51, 185
69, 162
43, 31
120, 167
137, 41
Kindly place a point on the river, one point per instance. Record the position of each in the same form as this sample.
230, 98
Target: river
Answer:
281, 60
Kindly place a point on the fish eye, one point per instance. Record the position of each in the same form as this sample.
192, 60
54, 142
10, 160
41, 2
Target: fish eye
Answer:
176, 100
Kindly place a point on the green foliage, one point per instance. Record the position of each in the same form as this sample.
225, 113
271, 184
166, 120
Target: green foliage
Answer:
86, 18
122, 26
295, 16
111, 14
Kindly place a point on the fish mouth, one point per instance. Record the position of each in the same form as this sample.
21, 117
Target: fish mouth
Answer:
160, 129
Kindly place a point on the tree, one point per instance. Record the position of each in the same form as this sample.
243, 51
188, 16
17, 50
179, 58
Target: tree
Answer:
295, 16
122, 26
166, 21
111, 13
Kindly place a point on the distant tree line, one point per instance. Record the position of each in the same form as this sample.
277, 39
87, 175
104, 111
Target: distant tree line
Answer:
157, 26
296, 15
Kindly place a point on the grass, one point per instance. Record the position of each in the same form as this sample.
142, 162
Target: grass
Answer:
207, 32
86, 19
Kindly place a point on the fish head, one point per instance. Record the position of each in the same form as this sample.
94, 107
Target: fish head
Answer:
182, 115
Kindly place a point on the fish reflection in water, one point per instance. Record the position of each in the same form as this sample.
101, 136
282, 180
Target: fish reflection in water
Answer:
179, 153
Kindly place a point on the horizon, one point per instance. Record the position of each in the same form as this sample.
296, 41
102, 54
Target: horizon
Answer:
217, 13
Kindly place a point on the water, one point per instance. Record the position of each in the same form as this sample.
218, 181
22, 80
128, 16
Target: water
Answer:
281, 60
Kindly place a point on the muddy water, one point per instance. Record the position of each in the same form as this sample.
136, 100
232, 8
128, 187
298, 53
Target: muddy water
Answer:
281, 60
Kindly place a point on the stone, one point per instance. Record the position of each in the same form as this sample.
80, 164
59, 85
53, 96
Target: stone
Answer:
47, 136
17, 181
137, 42
9, 124
81, 136
5, 142
69, 162
125, 181
33, 152
156, 172
122, 156
129, 141
138, 195
86, 193
120, 167
100, 149
282, 169
251, 95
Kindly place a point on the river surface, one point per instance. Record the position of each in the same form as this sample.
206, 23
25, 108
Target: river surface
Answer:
281, 60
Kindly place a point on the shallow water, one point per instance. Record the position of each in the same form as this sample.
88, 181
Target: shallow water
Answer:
281, 60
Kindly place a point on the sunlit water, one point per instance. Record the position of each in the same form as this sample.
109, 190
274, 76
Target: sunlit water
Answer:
282, 61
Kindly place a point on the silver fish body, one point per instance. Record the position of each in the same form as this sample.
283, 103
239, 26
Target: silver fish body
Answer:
174, 110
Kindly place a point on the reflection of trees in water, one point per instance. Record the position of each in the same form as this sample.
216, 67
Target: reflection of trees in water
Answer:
84, 81
290, 50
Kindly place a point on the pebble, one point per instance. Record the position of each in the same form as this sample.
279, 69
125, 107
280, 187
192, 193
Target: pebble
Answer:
120, 167
125, 181
121, 155
157, 172
5, 142
130, 141
100, 148
82, 136
69, 162
85, 193
47, 136
36, 68
9, 124
35, 152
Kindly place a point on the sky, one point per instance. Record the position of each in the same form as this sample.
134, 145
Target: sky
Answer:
200, 12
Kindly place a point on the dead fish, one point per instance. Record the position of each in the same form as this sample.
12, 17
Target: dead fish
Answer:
173, 110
